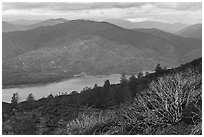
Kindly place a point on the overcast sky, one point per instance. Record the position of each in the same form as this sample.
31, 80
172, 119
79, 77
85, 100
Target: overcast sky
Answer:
188, 13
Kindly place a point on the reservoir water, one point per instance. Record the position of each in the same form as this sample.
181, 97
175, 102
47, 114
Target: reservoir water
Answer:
77, 84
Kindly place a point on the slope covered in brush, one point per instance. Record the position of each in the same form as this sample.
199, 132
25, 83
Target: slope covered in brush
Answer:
165, 102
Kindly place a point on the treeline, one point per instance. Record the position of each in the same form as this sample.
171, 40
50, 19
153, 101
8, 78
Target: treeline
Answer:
110, 95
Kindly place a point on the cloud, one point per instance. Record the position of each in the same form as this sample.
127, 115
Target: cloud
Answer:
66, 6
165, 11
63, 6
189, 6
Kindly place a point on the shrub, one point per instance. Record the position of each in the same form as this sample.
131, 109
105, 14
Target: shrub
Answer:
163, 104
169, 96
197, 129
90, 121
178, 129
138, 118
197, 120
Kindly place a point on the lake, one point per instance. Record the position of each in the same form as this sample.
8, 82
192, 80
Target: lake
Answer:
77, 84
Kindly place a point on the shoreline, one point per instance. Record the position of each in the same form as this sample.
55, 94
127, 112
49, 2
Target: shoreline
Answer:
52, 82
37, 84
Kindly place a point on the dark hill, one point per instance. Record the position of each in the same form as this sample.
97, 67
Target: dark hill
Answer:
193, 31
179, 43
63, 50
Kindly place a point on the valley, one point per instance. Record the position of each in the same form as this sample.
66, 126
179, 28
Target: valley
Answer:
57, 52
102, 68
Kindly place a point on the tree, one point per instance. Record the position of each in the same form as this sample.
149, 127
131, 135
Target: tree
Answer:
146, 73
164, 68
140, 74
158, 68
85, 89
15, 99
132, 78
50, 96
95, 86
30, 98
73, 93
106, 84
123, 79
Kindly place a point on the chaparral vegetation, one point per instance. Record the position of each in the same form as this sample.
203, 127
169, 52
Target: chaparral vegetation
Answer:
166, 102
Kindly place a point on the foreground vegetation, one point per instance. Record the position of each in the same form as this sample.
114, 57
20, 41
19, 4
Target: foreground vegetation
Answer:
161, 103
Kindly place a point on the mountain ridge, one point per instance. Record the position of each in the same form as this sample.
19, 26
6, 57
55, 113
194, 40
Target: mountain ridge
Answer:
168, 27
193, 31
69, 48
19, 27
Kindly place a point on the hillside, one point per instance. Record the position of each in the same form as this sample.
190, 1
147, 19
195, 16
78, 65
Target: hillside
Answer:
168, 27
49, 22
61, 51
193, 31
24, 22
179, 43
9, 27
133, 106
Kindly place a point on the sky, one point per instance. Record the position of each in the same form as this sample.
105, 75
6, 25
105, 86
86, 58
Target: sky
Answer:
171, 12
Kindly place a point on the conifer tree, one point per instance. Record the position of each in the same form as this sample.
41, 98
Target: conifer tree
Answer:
123, 79
140, 74
158, 68
15, 99
30, 98
132, 78
106, 84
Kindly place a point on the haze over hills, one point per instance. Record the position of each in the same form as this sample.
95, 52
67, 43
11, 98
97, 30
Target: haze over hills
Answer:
49, 22
66, 49
8, 27
193, 31
23, 22
168, 27
31, 24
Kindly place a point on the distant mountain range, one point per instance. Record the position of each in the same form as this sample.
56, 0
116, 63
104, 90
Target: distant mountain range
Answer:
178, 28
179, 43
11, 26
23, 22
7, 27
193, 31
61, 51
168, 27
